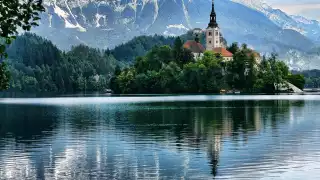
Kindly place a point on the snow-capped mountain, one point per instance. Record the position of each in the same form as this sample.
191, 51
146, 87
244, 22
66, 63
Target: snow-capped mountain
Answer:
106, 23
307, 27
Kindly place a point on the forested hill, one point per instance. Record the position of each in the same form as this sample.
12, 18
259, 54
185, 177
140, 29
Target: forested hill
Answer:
32, 50
312, 78
139, 46
37, 65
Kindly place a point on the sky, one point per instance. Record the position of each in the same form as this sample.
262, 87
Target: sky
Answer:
307, 8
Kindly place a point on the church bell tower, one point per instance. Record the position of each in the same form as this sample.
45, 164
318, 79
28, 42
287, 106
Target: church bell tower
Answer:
213, 39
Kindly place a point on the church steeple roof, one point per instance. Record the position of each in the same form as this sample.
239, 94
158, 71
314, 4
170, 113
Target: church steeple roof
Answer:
213, 17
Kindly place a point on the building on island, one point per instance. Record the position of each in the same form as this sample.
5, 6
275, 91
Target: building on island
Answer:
195, 47
256, 56
214, 40
227, 56
214, 37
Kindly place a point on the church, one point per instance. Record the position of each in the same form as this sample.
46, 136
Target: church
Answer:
214, 40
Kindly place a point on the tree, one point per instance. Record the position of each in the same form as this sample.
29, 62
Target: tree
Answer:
4, 76
251, 76
169, 77
126, 80
15, 14
237, 70
187, 56
178, 49
233, 48
117, 70
297, 80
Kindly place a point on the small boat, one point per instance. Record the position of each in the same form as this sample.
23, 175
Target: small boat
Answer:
108, 91
237, 92
223, 91
233, 92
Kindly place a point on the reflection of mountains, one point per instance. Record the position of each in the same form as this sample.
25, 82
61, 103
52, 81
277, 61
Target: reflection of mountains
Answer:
147, 137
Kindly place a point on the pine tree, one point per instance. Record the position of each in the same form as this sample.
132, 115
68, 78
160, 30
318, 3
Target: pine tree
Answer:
178, 50
15, 14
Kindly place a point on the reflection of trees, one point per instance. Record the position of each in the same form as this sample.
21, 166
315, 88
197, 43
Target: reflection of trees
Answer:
27, 122
205, 124
201, 126
81, 118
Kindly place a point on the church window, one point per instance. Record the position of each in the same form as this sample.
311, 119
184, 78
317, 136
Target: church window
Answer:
209, 42
210, 34
217, 33
217, 42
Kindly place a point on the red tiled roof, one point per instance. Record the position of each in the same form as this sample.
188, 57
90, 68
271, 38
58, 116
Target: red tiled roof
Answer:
194, 46
223, 52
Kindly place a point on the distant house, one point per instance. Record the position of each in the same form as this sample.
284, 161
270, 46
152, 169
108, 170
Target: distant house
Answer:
195, 47
197, 30
227, 56
256, 56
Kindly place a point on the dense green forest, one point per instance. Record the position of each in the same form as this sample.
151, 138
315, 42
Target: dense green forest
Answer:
167, 69
139, 46
312, 78
36, 65
146, 64
15, 16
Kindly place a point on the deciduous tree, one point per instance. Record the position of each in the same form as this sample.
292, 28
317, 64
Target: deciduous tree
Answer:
15, 14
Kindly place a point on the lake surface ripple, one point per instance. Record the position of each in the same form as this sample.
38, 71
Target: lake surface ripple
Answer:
160, 137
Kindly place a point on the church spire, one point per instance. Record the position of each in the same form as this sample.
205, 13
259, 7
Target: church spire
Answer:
213, 17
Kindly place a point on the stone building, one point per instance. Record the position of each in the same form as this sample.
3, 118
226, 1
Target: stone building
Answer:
214, 40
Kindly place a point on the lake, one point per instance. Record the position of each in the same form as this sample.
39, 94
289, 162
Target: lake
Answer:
160, 137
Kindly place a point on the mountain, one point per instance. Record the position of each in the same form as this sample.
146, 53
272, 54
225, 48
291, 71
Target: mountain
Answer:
107, 23
307, 27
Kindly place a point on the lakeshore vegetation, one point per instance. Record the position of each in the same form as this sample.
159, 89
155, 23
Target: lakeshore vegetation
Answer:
167, 69
161, 65
37, 65
146, 64
14, 15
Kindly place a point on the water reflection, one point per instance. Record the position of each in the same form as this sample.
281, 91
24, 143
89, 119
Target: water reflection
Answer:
159, 140
26, 122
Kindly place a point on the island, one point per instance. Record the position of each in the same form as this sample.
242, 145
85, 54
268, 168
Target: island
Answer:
211, 67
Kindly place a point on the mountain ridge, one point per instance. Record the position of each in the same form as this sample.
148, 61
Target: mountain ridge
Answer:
105, 24
307, 27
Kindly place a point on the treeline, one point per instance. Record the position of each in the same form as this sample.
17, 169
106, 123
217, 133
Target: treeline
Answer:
36, 65
312, 78
139, 46
174, 70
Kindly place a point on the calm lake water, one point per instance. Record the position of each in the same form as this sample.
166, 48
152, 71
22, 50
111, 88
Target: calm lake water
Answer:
161, 137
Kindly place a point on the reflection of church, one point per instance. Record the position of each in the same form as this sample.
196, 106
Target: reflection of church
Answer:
214, 40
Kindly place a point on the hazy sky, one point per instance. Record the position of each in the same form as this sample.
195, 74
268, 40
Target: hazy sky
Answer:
308, 8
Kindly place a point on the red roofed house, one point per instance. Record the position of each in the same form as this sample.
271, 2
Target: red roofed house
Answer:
227, 56
195, 47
